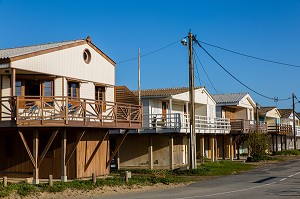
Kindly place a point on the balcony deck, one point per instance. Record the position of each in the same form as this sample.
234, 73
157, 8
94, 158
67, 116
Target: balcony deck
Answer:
281, 129
247, 126
179, 123
54, 111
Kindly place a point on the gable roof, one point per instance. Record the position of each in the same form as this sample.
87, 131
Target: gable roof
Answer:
228, 98
265, 110
285, 113
11, 54
163, 92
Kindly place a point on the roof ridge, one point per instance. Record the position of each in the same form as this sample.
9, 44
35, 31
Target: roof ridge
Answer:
175, 88
43, 44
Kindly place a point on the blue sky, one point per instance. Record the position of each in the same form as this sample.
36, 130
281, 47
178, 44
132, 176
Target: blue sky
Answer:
268, 29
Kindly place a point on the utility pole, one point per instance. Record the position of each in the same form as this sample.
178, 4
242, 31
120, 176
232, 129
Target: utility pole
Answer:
139, 76
192, 104
294, 122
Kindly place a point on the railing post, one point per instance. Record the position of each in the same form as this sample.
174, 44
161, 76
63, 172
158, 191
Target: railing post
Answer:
84, 111
17, 110
116, 113
66, 110
129, 115
42, 108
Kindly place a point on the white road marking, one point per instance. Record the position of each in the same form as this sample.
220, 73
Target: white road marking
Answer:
294, 174
282, 179
228, 192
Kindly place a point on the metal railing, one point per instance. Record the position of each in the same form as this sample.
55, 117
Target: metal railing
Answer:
180, 123
40, 110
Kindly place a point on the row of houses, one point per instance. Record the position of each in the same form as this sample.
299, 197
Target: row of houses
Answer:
62, 114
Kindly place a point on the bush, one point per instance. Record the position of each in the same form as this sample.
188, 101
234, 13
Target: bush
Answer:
259, 144
288, 152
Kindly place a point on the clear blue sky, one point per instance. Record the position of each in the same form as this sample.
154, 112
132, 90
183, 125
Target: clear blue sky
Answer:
268, 29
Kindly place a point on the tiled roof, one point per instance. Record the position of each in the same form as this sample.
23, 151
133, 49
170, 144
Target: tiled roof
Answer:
285, 113
265, 110
163, 92
14, 52
228, 98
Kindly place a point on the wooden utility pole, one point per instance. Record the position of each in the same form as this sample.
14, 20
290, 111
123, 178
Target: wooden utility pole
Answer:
192, 104
139, 76
294, 122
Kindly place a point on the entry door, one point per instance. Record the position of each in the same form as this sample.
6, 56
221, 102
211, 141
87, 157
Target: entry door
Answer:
178, 151
164, 109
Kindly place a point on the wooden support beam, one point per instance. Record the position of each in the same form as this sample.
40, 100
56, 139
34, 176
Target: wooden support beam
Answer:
27, 149
50, 141
35, 156
63, 156
150, 152
230, 148
171, 154
75, 146
212, 148
216, 147
201, 146
117, 149
95, 151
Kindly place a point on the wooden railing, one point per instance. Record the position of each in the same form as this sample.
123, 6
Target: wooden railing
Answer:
54, 110
247, 126
281, 129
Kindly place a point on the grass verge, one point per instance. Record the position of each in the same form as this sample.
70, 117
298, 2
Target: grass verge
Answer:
139, 177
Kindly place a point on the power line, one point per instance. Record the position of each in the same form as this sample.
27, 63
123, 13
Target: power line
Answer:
250, 56
159, 49
207, 74
260, 94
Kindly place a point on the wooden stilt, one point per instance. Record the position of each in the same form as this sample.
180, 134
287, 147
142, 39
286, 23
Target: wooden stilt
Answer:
63, 156
150, 152
212, 148
201, 145
171, 154
230, 148
35, 156
216, 147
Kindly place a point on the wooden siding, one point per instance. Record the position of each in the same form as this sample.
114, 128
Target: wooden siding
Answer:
87, 90
87, 163
5, 86
58, 87
69, 63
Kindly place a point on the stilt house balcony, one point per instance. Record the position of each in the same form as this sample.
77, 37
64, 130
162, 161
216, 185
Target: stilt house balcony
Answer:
297, 131
53, 111
281, 129
247, 126
177, 122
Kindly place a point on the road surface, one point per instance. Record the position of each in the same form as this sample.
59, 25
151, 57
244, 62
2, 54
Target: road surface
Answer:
275, 181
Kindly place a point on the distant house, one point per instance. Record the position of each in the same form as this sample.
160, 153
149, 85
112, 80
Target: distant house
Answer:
287, 119
278, 131
240, 109
57, 107
163, 141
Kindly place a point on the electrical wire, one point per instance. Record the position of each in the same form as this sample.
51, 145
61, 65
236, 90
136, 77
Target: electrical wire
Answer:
149, 53
250, 56
206, 75
254, 91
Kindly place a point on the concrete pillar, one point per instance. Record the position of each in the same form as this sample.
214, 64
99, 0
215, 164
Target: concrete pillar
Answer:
35, 156
212, 148
150, 152
63, 156
171, 155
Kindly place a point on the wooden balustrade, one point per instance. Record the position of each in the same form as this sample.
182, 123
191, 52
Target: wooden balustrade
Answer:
64, 111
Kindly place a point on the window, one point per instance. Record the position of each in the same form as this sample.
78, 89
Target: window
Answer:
48, 88
32, 88
73, 89
18, 88
87, 56
100, 96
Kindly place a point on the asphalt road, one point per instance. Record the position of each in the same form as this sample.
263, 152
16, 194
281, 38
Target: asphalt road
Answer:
276, 181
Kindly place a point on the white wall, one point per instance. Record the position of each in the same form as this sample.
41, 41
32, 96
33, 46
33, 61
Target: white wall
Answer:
69, 63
